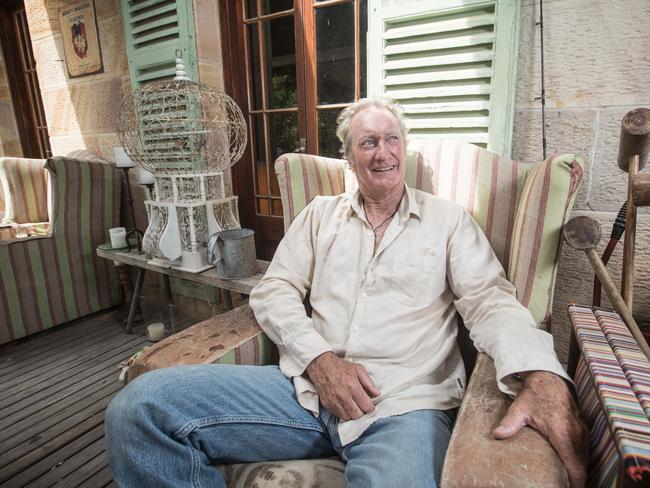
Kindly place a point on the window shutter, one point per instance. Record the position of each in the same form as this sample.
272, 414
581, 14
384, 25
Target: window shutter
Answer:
154, 30
452, 65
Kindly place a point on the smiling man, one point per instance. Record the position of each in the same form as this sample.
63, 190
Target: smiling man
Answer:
374, 375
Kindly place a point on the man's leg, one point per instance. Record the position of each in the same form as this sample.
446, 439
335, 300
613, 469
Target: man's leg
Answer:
403, 450
166, 427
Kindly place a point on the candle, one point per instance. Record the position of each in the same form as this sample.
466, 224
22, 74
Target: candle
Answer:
118, 237
156, 331
122, 159
145, 177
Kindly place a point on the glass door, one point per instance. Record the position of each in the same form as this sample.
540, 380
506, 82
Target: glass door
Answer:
300, 62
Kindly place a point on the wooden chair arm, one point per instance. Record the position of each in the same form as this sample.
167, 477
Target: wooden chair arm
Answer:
230, 337
475, 458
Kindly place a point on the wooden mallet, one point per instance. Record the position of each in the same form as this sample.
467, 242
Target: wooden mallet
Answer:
583, 233
633, 150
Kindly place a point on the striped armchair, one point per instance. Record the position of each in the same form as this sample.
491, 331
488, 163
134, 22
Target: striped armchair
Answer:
57, 211
521, 208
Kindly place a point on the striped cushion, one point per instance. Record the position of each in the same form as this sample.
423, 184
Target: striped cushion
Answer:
49, 281
614, 391
544, 206
25, 184
302, 176
2, 203
509, 200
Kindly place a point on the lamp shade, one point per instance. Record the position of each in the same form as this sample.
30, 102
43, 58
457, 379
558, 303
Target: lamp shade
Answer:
122, 159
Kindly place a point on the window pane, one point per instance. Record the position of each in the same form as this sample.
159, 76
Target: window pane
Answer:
284, 133
363, 30
259, 155
262, 206
277, 208
271, 6
280, 45
255, 70
335, 53
251, 9
328, 143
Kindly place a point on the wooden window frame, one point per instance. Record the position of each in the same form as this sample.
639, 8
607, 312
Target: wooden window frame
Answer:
23, 83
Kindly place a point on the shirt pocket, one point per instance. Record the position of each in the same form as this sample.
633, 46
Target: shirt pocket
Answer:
418, 278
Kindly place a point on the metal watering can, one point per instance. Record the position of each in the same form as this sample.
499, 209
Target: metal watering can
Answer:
233, 253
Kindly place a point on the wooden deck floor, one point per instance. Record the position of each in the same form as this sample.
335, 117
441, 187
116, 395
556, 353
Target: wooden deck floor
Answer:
54, 389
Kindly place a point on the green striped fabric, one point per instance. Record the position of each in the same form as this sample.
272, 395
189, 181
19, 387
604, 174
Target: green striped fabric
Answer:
302, 176
520, 207
26, 189
51, 280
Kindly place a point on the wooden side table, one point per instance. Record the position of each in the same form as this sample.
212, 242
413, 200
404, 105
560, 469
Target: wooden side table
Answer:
209, 277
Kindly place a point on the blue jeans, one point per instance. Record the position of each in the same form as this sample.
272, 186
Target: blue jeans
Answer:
168, 427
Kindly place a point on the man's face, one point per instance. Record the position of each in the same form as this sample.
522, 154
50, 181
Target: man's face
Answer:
377, 153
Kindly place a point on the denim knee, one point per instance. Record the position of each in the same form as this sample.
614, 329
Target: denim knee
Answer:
133, 402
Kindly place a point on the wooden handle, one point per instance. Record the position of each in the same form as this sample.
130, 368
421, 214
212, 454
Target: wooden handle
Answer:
635, 137
641, 190
629, 244
617, 300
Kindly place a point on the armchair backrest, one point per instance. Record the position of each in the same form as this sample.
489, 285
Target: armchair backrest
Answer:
26, 190
521, 207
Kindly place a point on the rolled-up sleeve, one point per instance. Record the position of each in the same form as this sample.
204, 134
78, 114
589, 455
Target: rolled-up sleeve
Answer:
499, 325
277, 300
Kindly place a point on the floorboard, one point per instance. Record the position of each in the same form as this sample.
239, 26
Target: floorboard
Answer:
54, 389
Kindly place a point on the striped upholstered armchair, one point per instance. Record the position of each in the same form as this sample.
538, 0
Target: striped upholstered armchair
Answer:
521, 208
56, 212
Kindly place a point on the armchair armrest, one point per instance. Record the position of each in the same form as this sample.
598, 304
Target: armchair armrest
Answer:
232, 337
475, 458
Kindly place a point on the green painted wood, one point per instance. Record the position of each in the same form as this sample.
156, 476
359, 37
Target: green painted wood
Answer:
450, 63
154, 30
504, 81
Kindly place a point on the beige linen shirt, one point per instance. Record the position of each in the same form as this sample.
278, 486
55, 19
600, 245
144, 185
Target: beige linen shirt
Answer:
394, 310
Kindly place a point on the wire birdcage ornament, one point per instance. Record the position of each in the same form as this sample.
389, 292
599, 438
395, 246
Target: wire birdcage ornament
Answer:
186, 134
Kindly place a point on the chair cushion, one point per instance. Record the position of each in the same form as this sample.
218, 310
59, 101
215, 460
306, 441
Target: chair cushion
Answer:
310, 473
25, 184
537, 231
614, 396
302, 176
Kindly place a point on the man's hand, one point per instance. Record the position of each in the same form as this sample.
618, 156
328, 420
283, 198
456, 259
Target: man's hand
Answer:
343, 387
545, 404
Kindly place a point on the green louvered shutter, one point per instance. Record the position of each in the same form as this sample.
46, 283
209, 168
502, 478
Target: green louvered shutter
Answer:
451, 64
154, 30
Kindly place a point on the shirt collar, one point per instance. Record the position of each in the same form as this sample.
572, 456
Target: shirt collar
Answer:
407, 207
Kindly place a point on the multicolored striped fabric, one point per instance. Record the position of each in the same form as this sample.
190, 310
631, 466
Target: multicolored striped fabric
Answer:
613, 379
25, 184
51, 280
510, 201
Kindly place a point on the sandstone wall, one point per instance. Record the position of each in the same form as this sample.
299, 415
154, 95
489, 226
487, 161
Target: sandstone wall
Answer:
597, 68
9, 138
81, 112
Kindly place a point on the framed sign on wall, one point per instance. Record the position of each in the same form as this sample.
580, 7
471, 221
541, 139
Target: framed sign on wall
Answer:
81, 39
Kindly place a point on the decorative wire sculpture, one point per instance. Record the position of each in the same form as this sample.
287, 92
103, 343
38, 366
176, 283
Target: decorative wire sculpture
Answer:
179, 126
186, 134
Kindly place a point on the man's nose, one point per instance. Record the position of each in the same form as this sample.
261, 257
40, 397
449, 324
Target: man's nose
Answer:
382, 149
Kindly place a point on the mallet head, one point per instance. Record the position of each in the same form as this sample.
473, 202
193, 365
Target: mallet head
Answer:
582, 233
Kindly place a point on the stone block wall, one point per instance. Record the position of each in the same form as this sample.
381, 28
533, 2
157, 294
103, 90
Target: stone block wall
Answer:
597, 68
9, 138
81, 112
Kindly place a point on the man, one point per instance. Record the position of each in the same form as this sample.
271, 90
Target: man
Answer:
374, 375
